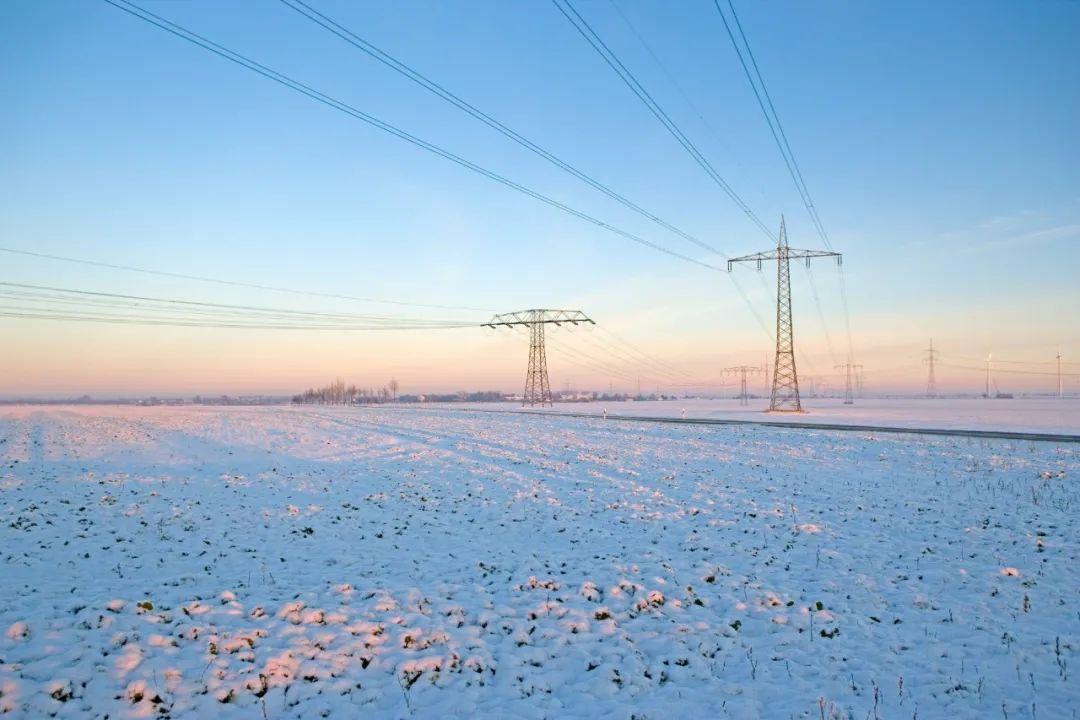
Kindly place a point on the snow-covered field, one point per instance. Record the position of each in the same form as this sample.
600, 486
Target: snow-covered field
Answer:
1047, 415
280, 562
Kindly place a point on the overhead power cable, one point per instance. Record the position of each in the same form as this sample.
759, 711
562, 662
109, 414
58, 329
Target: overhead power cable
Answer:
57, 294
582, 359
997, 361
617, 356
12, 312
821, 315
682, 93
233, 283
415, 76
585, 30
633, 349
195, 39
43, 302
1007, 370
776, 128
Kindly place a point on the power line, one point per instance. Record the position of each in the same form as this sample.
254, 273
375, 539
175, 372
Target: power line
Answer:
439, 90
1015, 362
67, 295
656, 371
586, 31
776, 128
9, 312
609, 57
770, 117
46, 302
1005, 370
641, 353
442, 92
233, 283
220, 50
821, 314
679, 89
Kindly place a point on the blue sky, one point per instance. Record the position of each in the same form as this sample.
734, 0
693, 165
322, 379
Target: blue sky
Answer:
938, 139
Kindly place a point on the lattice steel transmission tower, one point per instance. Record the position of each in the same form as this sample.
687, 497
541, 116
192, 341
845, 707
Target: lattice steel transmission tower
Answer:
743, 371
931, 381
1058, 356
537, 386
849, 393
785, 385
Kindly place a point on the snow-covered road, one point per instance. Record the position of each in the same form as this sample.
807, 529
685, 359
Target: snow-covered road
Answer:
305, 562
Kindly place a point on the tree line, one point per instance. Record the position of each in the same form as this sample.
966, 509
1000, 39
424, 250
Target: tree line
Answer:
338, 393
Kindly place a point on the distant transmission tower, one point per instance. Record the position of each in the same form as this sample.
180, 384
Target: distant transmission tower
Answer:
1059, 373
849, 393
931, 381
743, 371
537, 387
785, 385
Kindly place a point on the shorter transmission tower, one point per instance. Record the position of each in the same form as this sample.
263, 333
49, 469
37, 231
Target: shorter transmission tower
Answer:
931, 358
537, 387
849, 393
1059, 374
743, 371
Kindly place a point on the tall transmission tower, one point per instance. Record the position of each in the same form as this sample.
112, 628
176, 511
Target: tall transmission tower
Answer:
989, 357
931, 381
537, 386
849, 394
785, 385
743, 371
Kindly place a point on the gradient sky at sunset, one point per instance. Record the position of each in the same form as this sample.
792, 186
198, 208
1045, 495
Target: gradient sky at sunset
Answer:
939, 141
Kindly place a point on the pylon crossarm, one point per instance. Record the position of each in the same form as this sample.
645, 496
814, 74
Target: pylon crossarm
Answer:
791, 253
795, 253
755, 257
534, 317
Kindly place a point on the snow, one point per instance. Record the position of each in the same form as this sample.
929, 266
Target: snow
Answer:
1046, 415
307, 562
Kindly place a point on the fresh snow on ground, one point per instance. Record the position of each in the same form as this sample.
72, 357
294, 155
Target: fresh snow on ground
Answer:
350, 562
1047, 415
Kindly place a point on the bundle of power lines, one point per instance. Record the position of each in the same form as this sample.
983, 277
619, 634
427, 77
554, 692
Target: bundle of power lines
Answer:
40, 302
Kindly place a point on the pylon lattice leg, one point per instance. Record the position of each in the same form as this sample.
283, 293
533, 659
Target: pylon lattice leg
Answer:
785, 387
537, 388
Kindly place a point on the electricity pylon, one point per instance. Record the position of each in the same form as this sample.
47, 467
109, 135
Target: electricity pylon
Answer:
849, 395
1059, 374
537, 387
743, 371
785, 385
931, 358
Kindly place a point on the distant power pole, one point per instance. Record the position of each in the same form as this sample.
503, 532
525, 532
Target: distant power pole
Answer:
743, 371
785, 385
849, 395
931, 358
537, 387
1059, 373
987, 393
